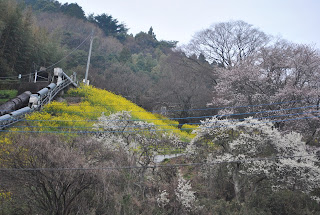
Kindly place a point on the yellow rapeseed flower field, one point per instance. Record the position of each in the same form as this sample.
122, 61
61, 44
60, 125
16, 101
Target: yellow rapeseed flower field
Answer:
71, 119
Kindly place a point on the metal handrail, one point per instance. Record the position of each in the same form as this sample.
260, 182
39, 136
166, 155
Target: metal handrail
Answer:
44, 100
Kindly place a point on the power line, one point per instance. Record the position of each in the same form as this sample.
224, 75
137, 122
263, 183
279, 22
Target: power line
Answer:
204, 109
69, 53
54, 63
152, 130
248, 160
272, 121
237, 114
234, 107
197, 123
266, 111
177, 118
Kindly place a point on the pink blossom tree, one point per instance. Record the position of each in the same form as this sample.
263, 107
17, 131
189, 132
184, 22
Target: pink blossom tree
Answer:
276, 74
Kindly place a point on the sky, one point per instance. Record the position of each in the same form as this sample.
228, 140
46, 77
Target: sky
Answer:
294, 20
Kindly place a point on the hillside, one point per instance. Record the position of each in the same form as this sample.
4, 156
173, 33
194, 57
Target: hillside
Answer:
80, 117
239, 132
95, 138
144, 65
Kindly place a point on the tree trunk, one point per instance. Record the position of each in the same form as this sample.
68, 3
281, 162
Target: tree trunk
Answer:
236, 183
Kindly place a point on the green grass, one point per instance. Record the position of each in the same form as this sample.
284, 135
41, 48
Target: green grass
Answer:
6, 95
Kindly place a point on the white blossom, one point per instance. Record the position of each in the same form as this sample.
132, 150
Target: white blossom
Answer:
185, 195
117, 131
163, 199
259, 149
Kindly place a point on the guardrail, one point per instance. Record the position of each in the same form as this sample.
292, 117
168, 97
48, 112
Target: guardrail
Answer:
18, 115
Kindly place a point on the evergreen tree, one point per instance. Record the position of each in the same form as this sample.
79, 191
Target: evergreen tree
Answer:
110, 26
151, 33
74, 10
43, 5
21, 43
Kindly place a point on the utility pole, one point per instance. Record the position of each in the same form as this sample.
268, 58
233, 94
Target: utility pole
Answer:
89, 57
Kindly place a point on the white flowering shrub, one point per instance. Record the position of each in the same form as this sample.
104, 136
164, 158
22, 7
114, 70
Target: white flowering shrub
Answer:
120, 131
174, 140
185, 195
138, 139
163, 198
251, 151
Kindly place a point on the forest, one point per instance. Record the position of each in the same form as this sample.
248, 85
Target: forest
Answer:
237, 108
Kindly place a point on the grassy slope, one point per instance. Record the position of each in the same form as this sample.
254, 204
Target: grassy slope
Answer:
65, 118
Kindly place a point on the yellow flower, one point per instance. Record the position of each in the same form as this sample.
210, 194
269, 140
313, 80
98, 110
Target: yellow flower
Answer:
69, 119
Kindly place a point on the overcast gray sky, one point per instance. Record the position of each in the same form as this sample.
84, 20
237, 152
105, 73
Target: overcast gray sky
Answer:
295, 20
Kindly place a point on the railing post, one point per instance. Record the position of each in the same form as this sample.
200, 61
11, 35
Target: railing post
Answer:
35, 76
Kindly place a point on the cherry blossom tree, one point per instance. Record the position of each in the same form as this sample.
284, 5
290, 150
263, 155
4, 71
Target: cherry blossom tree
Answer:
280, 73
